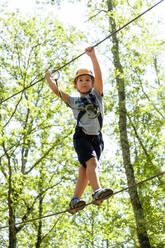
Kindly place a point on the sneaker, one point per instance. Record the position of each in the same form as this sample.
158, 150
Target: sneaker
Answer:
75, 205
100, 195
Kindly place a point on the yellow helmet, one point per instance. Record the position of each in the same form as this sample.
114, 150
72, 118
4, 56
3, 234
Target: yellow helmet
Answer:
81, 72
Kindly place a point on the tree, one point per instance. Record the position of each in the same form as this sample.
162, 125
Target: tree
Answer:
37, 161
131, 65
32, 131
136, 204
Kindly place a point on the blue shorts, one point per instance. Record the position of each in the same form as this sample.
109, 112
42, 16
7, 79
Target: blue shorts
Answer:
87, 146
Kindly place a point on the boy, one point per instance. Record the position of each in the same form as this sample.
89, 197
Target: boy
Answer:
87, 139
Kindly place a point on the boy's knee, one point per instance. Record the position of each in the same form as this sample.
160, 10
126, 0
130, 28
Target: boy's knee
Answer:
92, 162
82, 169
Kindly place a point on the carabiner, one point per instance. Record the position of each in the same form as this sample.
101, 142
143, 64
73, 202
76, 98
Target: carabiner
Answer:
58, 76
91, 107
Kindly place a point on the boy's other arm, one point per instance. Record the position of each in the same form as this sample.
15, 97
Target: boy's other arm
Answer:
98, 83
54, 88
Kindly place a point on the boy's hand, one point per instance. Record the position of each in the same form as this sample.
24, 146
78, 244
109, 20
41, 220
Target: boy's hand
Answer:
98, 83
90, 51
47, 75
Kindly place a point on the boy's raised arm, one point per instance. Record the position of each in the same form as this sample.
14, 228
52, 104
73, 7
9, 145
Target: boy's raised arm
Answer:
98, 83
54, 88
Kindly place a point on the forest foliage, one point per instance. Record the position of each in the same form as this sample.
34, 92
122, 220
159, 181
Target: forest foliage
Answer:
38, 165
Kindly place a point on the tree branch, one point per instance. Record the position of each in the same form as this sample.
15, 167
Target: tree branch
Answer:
139, 139
157, 110
92, 17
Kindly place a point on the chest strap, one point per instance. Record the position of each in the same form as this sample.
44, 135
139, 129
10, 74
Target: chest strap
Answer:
81, 113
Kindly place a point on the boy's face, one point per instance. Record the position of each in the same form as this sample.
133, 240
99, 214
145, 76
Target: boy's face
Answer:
84, 84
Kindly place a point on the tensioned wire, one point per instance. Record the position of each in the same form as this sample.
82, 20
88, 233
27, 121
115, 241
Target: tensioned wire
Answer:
66, 210
61, 67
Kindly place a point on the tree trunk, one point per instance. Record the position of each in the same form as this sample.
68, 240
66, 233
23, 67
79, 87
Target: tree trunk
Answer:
41, 197
136, 205
12, 228
39, 233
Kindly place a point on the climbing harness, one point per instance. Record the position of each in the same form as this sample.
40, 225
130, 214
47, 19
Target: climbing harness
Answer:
82, 112
92, 109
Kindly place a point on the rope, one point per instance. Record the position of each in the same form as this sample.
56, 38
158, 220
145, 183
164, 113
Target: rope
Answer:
66, 210
53, 71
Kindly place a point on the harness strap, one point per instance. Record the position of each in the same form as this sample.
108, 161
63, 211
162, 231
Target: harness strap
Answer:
95, 104
81, 113
100, 119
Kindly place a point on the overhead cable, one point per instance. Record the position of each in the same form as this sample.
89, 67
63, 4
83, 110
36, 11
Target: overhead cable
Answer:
61, 67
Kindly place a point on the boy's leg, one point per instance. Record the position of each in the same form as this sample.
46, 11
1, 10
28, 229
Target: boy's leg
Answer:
85, 175
82, 182
76, 204
99, 194
91, 173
